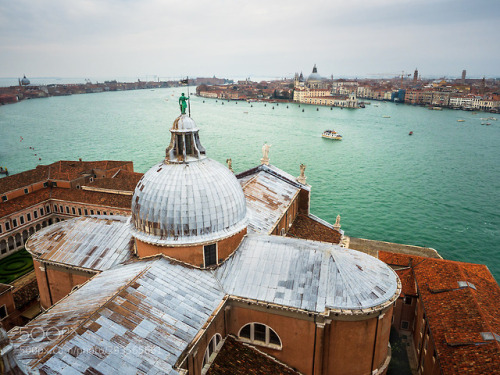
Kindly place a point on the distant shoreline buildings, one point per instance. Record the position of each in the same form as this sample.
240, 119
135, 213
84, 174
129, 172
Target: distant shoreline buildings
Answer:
464, 94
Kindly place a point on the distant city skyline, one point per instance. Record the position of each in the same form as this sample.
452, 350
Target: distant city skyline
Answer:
167, 39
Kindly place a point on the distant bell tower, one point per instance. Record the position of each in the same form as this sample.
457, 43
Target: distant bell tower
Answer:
415, 76
464, 72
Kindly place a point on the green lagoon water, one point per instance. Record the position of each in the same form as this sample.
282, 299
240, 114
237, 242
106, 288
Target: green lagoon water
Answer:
438, 188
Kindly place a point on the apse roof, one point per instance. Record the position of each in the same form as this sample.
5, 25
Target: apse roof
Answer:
94, 243
307, 275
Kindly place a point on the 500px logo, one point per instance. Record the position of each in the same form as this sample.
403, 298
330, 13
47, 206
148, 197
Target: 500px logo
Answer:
39, 334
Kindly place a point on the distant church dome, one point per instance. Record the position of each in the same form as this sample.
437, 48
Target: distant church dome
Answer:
314, 76
25, 81
188, 198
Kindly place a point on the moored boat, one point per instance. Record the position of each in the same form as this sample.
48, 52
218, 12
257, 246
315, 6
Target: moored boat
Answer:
4, 171
332, 134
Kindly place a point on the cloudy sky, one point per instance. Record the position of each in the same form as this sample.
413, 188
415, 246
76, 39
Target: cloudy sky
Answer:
248, 38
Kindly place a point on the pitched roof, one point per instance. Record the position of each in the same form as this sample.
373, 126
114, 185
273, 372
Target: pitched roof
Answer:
92, 197
24, 201
69, 195
62, 170
458, 313
236, 358
269, 192
122, 180
310, 227
136, 318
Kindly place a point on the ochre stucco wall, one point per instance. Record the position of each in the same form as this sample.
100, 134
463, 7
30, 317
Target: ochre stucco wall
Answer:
296, 335
60, 282
191, 254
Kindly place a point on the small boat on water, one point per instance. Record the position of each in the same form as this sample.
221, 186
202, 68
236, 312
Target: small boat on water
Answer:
410, 133
386, 116
332, 134
4, 171
460, 120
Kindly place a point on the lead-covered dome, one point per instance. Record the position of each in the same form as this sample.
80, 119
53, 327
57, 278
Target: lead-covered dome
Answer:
314, 76
188, 198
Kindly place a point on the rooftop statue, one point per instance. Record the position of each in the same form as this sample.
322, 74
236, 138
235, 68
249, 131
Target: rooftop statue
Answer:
265, 154
182, 103
302, 178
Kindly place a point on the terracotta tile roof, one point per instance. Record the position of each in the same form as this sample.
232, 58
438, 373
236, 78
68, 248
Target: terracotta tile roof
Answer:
70, 170
307, 228
236, 358
69, 195
62, 170
123, 180
20, 203
398, 259
409, 288
457, 315
93, 197
19, 180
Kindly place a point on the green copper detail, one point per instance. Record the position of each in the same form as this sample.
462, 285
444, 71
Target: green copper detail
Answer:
183, 104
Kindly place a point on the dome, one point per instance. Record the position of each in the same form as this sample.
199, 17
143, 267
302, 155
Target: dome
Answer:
25, 81
184, 123
188, 198
188, 203
314, 76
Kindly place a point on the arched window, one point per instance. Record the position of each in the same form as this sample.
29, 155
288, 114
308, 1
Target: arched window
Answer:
260, 334
211, 351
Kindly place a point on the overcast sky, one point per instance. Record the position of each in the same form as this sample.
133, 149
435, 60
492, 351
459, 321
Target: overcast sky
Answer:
248, 38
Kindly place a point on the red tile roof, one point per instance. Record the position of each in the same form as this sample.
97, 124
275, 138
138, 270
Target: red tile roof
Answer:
69, 195
409, 288
236, 358
457, 315
123, 180
93, 197
305, 227
62, 170
24, 201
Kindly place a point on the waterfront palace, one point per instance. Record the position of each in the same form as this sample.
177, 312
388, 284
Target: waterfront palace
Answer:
190, 269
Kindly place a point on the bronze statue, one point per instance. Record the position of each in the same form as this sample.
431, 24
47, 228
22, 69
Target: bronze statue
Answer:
182, 103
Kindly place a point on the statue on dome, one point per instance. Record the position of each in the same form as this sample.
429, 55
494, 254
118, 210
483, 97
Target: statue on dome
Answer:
182, 103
